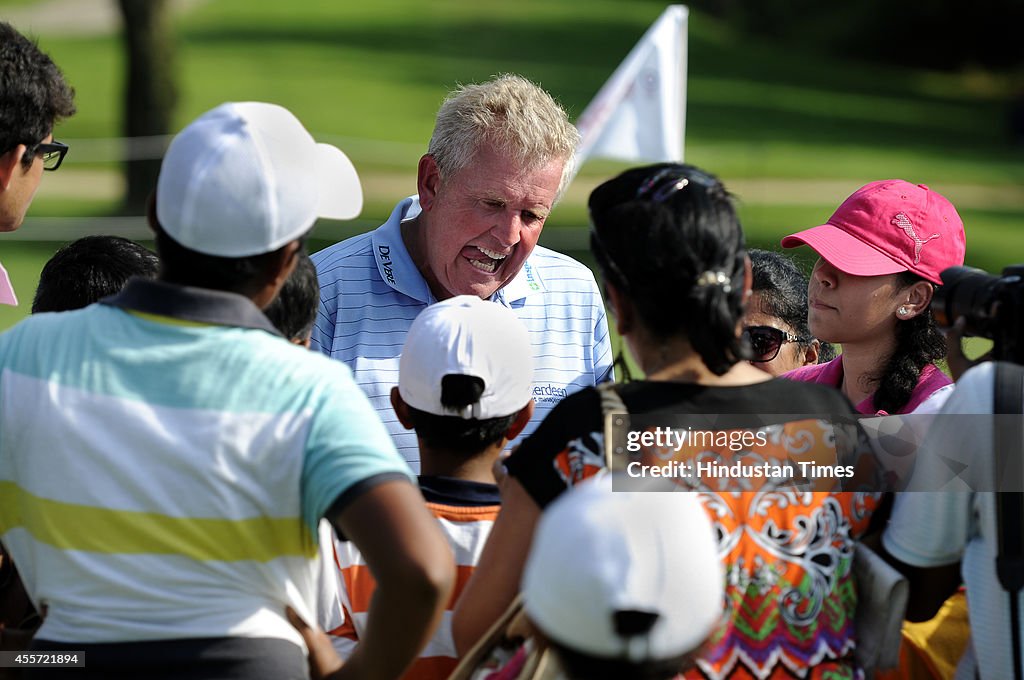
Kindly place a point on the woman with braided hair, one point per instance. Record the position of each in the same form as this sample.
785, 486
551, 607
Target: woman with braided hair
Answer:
879, 259
676, 275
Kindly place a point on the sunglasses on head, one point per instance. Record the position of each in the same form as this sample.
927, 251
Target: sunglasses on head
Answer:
660, 186
766, 341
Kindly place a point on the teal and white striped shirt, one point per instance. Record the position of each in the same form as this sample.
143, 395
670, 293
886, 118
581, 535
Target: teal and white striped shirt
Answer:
162, 478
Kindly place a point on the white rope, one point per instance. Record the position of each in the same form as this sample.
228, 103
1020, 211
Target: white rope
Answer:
115, 149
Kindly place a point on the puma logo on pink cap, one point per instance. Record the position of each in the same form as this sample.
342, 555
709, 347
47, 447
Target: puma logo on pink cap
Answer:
859, 238
904, 223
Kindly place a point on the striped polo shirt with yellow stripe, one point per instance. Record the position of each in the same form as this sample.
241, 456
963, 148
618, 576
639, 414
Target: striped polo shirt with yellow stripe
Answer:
163, 479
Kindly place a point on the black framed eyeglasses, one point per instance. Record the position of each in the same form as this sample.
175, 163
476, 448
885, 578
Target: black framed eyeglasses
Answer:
53, 154
766, 341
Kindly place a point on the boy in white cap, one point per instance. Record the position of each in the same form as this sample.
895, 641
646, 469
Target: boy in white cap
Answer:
168, 456
626, 584
465, 381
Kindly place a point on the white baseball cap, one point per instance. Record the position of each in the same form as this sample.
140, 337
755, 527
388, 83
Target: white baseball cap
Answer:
465, 335
599, 553
246, 178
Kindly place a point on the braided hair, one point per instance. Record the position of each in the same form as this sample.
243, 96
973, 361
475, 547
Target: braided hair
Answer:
668, 237
919, 342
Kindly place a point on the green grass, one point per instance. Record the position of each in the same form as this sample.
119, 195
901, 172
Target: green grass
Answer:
23, 260
379, 70
370, 76
78, 207
993, 237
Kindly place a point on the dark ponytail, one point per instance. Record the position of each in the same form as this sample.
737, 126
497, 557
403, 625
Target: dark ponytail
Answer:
667, 235
465, 437
919, 342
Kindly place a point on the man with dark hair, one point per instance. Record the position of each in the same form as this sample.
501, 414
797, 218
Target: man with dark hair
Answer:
203, 449
464, 386
293, 311
33, 98
88, 270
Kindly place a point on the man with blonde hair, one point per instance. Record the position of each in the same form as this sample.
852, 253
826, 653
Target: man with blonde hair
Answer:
499, 159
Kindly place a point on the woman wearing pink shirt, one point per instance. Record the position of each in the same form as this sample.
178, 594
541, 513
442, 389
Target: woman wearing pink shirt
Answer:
879, 259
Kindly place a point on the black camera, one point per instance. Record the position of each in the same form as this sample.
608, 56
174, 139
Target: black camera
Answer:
993, 307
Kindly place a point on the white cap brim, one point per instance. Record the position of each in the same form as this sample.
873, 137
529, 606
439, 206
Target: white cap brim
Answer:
341, 196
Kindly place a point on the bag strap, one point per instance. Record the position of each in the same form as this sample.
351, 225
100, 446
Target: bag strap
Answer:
1008, 444
473, 659
612, 406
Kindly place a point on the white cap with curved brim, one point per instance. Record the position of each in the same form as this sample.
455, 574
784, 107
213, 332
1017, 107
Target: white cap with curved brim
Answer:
465, 335
625, 575
246, 178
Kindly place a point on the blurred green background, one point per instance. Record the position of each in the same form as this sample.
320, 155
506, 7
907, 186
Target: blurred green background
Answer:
792, 115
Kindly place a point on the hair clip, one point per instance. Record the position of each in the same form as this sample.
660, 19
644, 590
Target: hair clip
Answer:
710, 278
662, 185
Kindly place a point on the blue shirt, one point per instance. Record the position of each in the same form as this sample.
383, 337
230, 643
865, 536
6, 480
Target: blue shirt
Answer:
370, 292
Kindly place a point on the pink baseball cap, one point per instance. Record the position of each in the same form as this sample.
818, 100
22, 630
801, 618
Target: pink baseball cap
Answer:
887, 227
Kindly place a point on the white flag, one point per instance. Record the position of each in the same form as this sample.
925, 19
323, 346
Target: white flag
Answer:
640, 113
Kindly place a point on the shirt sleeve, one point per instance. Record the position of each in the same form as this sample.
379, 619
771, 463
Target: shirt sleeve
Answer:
347, 446
603, 360
566, 448
948, 515
929, 528
321, 338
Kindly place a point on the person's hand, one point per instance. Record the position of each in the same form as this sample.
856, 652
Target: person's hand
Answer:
323, 658
955, 358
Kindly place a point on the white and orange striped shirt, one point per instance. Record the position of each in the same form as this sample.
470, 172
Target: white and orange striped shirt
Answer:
466, 511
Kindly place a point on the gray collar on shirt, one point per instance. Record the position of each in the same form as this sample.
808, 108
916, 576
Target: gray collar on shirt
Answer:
190, 304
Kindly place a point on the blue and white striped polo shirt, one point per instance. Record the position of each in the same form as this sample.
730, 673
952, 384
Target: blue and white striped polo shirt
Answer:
162, 477
370, 292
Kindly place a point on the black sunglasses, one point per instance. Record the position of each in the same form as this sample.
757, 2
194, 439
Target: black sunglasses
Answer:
766, 341
53, 154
